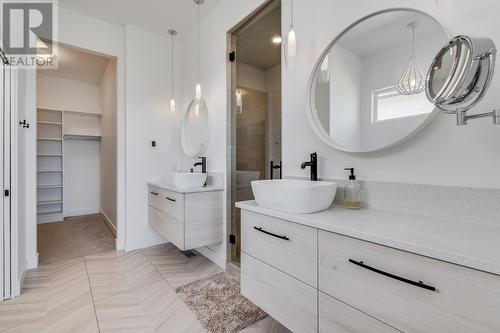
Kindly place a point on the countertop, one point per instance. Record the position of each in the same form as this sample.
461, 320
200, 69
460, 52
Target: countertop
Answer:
166, 186
469, 245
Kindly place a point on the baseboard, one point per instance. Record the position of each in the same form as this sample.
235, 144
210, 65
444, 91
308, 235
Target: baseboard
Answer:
110, 224
49, 218
82, 211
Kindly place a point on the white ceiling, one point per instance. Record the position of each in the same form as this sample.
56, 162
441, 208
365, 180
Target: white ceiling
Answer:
154, 15
78, 65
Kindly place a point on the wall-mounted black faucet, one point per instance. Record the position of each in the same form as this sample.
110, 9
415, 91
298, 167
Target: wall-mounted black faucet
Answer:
203, 164
313, 163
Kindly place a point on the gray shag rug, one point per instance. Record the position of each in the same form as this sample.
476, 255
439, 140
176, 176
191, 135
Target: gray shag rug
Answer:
218, 304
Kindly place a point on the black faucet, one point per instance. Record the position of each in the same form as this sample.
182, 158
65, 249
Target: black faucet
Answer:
313, 163
203, 164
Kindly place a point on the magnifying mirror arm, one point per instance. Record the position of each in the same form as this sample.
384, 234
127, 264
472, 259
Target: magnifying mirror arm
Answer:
462, 116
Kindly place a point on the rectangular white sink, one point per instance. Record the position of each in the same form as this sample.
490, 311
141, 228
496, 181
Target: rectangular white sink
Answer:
186, 179
294, 196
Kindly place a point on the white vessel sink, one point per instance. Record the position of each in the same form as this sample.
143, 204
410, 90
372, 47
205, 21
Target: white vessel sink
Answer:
187, 179
294, 196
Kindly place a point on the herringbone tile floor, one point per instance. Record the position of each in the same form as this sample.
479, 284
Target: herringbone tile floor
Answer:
113, 292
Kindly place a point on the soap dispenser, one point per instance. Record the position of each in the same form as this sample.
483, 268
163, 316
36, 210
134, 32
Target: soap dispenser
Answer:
352, 192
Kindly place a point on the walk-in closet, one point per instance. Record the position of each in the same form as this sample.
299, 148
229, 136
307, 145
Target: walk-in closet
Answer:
76, 156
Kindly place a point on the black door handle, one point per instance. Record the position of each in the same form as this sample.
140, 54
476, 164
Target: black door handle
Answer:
419, 284
271, 234
154, 193
170, 199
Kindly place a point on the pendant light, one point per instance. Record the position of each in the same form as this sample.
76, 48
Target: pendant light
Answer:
324, 74
172, 99
291, 44
412, 81
197, 89
239, 101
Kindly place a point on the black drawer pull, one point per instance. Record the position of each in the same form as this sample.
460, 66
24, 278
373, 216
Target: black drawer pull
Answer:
419, 284
271, 234
170, 199
154, 193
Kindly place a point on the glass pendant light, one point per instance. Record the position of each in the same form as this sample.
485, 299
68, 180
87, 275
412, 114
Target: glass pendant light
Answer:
291, 44
239, 101
172, 99
197, 89
324, 74
412, 81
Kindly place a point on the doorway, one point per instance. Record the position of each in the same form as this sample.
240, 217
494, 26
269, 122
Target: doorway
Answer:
76, 156
256, 108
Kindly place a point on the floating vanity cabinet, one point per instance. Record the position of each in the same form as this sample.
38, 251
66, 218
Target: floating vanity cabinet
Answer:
312, 279
410, 292
189, 219
278, 269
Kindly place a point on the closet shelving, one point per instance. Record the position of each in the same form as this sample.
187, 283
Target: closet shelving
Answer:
53, 127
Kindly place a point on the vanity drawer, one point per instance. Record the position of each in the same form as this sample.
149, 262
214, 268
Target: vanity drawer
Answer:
167, 226
290, 247
169, 202
286, 299
335, 316
465, 300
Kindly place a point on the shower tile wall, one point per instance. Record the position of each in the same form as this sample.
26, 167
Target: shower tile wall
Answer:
251, 132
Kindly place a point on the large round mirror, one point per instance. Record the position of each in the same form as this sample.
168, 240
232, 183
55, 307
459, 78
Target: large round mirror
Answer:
195, 129
367, 90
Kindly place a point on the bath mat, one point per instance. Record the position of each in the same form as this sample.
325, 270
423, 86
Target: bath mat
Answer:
218, 304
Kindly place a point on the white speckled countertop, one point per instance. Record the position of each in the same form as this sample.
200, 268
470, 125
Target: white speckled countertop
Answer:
166, 186
470, 245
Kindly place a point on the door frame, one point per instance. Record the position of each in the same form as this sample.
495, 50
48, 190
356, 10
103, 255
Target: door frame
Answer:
231, 70
10, 280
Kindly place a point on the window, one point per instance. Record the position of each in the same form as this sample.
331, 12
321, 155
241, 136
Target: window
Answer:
389, 104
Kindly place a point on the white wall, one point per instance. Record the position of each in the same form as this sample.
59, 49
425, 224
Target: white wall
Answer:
81, 177
250, 77
214, 27
26, 172
442, 154
345, 97
65, 94
109, 143
148, 118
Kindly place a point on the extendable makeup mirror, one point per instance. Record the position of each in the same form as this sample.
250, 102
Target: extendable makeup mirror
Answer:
460, 75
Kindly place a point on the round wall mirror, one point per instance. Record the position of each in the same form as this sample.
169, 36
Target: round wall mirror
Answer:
367, 90
195, 129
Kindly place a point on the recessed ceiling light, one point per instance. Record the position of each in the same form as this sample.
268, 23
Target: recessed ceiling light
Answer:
276, 39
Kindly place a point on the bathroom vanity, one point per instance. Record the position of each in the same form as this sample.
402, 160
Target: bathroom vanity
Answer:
189, 218
370, 271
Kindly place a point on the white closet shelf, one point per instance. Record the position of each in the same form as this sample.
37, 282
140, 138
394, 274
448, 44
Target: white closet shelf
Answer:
48, 202
49, 186
49, 155
50, 212
50, 171
85, 114
49, 122
50, 139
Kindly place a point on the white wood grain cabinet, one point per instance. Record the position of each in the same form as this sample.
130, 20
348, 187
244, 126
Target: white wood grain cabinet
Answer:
312, 280
188, 220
